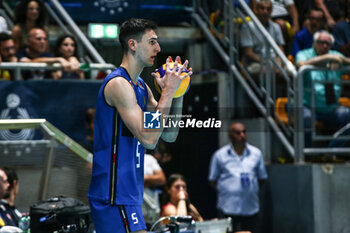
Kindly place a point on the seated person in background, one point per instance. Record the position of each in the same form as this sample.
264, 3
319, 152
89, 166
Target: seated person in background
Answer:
164, 158
36, 52
5, 219
7, 54
9, 199
88, 141
177, 202
216, 16
304, 38
66, 47
285, 14
154, 178
28, 14
3, 25
341, 33
334, 10
327, 108
253, 50
7, 48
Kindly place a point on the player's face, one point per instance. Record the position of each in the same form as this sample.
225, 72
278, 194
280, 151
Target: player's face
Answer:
33, 10
148, 48
67, 47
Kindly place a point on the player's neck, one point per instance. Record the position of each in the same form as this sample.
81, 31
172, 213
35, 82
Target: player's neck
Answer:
134, 68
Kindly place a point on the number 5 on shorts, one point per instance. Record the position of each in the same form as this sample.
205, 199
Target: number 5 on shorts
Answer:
134, 218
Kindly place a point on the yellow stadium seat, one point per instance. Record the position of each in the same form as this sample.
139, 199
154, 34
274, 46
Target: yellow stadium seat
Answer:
280, 109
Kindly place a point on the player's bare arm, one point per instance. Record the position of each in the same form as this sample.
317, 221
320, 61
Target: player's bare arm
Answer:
119, 93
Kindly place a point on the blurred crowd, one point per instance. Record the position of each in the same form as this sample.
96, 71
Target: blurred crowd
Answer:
27, 42
298, 20
308, 33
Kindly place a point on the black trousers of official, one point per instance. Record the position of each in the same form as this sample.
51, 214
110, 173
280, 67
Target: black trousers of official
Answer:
242, 223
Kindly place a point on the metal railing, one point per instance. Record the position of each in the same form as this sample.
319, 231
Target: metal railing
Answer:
18, 66
267, 87
53, 137
59, 15
80, 35
299, 136
263, 92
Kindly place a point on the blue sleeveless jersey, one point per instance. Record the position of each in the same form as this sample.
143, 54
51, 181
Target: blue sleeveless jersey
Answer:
117, 173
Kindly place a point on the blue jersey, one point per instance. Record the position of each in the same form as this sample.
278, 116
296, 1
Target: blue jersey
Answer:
117, 174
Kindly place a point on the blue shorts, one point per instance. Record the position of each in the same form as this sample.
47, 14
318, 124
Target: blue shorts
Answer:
116, 218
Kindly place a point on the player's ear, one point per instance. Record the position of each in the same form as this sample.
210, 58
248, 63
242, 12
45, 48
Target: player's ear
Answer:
132, 43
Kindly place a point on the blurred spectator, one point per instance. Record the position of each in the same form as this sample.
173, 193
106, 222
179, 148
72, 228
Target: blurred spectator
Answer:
28, 14
341, 33
5, 218
9, 199
164, 157
303, 8
88, 141
327, 108
304, 38
66, 47
217, 10
253, 50
7, 48
154, 179
3, 25
334, 10
177, 202
7, 54
153, 174
237, 171
4, 184
285, 14
36, 52
162, 154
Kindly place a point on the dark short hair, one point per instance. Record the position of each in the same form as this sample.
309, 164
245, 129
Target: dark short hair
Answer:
59, 42
11, 175
134, 28
5, 36
316, 9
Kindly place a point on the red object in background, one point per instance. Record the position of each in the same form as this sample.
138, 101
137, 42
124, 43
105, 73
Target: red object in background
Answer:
101, 75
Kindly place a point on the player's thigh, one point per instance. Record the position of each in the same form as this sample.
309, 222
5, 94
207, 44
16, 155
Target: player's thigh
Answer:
116, 219
132, 214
